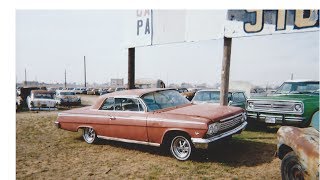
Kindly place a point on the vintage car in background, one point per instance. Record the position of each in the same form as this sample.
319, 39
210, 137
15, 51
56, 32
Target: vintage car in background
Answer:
235, 98
70, 89
146, 83
154, 117
294, 103
41, 100
298, 148
21, 100
120, 89
93, 91
66, 97
103, 91
80, 90
257, 92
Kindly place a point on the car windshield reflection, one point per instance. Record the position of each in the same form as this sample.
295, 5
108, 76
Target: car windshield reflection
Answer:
164, 99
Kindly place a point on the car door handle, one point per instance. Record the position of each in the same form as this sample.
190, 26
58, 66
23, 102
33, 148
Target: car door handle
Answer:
112, 117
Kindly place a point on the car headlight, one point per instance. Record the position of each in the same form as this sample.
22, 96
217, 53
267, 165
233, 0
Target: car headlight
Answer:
31, 103
298, 107
213, 128
250, 105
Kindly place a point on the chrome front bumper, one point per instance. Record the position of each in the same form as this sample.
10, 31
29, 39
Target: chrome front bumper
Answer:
203, 143
279, 119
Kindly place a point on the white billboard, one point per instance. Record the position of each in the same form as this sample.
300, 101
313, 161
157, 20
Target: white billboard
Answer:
242, 23
138, 29
156, 27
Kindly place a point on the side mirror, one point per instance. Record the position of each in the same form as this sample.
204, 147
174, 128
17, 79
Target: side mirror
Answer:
229, 103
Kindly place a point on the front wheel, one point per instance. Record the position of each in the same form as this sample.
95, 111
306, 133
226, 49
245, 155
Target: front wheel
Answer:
89, 135
181, 147
291, 167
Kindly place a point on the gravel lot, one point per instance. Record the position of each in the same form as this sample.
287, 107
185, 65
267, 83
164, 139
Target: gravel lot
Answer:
45, 152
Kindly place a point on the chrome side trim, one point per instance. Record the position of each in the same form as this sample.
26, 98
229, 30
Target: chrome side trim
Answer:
225, 134
175, 121
81, 115
129, 141
135, 118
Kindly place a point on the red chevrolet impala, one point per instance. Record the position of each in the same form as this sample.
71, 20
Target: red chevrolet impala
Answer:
154, 117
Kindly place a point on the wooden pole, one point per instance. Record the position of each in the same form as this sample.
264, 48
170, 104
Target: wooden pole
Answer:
131, 68
25, 76
65, 78
85, 71
225, 71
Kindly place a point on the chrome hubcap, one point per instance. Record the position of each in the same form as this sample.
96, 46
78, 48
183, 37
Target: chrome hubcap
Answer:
89, 135
181, 148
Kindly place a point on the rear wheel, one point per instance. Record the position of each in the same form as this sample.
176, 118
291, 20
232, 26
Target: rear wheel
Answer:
181, 147
291, 167
89, 135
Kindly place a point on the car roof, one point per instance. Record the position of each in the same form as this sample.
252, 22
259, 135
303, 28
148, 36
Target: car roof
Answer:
132, 93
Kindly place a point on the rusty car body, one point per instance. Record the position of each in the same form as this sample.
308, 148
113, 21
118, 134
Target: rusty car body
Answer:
154, 117
24, 93
298, 148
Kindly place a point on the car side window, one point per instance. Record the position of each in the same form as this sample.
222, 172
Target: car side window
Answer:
127, 104
108, 104
239, 97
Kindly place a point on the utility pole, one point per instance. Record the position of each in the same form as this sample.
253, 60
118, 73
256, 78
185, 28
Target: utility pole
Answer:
131, 68
291, 76
225, 71
85, 71
65, 78
25, 76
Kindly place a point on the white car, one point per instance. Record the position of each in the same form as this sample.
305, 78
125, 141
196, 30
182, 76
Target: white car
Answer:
80, 90
66, 97
41, 100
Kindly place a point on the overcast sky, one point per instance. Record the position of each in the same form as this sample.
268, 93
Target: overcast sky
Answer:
48, 42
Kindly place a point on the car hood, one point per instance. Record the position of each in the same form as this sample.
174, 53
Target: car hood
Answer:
284, 97
209, 111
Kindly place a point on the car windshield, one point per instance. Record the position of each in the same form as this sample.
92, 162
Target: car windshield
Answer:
207, 96
67, 93
298, 88
43, 96
164, 99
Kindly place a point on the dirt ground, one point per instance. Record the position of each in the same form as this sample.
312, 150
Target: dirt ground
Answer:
45, 152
